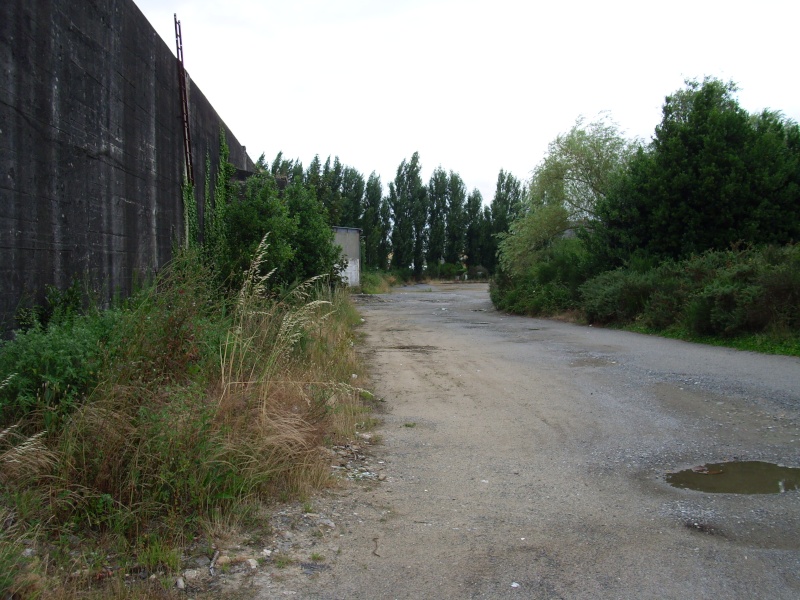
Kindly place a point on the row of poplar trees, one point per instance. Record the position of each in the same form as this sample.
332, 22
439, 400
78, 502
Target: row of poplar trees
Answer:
435, 228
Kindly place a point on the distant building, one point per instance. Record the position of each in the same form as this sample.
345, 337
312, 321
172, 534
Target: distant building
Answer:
349, 238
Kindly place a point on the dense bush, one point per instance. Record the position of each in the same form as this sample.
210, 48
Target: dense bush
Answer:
712, 176
548, 285
715, 293
618, 295
51, 368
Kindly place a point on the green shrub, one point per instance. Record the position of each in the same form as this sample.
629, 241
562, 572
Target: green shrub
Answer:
374, 282
549, 285
715, 293
618, 295
449, 271
53, 368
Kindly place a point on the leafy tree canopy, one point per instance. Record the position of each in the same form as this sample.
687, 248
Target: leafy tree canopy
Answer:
712, 176
579, 167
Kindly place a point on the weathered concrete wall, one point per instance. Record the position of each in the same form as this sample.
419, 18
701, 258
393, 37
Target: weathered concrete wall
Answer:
91, 147
349, 238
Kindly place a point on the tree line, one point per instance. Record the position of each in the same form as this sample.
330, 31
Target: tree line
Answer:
669, 231
435, 228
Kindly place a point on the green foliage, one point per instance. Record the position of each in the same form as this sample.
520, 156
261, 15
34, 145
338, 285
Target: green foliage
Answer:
455, 219
713, 176
295, 209
408, 201
178, 417
437, 198
312, 240
59, 305
215, 242
540, 270
284, 171
54, 368
14, 567
666, 216
579, 168
375, 282
541, 263
546, 286
530, 235
258, 211
374, 225
352, 198
329, 192
618, 295
473, 217
505, 208
190, 217
716, 293
451, 270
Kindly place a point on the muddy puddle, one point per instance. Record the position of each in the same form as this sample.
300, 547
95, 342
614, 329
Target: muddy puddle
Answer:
737, 477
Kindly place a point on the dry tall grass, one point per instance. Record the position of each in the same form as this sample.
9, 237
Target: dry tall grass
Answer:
210, 406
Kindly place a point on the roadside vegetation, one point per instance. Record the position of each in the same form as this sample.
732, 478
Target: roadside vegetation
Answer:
132, 433
374, 281
692, 235
129, 433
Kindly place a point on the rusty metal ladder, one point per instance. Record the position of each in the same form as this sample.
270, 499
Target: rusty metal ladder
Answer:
187, 135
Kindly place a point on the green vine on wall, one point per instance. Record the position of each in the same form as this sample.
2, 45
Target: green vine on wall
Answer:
213, 241
222, 196
208, 205
190, 219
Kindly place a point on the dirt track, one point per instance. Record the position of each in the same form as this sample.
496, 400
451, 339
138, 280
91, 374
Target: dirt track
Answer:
525, 459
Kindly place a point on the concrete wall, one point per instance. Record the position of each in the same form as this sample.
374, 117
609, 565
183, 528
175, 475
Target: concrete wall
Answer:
349, 239
91, 147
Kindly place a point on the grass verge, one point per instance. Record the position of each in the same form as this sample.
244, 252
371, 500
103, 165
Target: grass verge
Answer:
195, 407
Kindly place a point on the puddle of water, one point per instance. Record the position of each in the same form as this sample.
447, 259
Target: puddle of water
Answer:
738, 477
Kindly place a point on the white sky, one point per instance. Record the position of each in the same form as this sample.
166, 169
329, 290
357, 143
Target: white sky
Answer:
474, 86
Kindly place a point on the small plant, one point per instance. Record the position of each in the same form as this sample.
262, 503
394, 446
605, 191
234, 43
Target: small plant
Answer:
410, 424
282, 560
156, 555
317, 557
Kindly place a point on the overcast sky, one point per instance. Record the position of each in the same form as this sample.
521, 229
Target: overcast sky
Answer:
474, 86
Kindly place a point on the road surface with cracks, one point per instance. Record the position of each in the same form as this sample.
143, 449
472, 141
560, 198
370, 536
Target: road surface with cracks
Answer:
526, 458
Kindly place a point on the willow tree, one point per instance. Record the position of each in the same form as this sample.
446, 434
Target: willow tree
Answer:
576, 174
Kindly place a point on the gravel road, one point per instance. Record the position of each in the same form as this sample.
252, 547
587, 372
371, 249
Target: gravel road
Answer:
526, 458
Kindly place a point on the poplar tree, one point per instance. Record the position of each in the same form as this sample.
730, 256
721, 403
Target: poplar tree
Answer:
474, 224
371, 222
506, 206
456, 196
437, 200
408, 199
330, 194
352, 196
